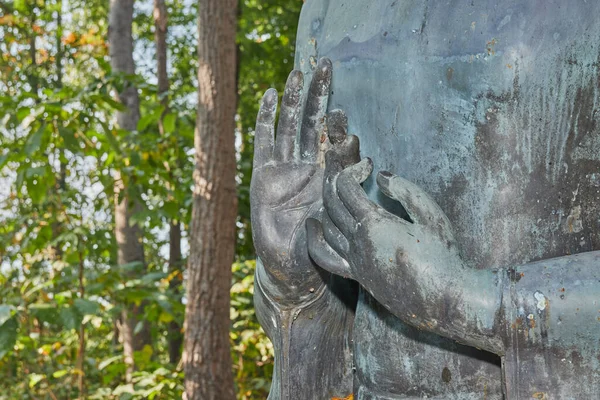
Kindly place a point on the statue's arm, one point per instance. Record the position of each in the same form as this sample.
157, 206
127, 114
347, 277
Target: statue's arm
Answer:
413, 268
553, 304
306, 311
312, 341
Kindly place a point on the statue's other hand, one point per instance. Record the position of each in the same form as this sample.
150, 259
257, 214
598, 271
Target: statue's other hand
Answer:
410, 265
286, 186
362, 240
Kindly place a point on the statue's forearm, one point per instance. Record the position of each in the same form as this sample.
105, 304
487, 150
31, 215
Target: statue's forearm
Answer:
312, 341
457, 302
502, 309
546, 300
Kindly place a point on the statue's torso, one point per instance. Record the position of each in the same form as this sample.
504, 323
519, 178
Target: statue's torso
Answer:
491, 106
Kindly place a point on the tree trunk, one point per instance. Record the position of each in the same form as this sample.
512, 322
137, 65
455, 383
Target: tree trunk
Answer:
207, 357
32, 75
161, 24
129, 237
175, 338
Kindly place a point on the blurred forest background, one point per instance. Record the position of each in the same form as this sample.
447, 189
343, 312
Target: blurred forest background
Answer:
62, 288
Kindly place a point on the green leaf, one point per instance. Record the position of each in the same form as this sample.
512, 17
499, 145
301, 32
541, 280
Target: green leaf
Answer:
87, 307
113, 103
37, 288
37, 188
34, 379
35, 140
162, 371
60, 374
169, 123
133, 266
3, 160
144, 122
150, 118
123, 389
6, 312
69, 138
44, 312
138, 327
70, 317
20, 5
109, 361
135, 159
112, 140
171, 209
8, 336
152, 277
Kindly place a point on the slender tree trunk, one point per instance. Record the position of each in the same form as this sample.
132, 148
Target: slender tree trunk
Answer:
207, 357
60, 185
161, 24
129, 237
33, 74
81, 350
175, 339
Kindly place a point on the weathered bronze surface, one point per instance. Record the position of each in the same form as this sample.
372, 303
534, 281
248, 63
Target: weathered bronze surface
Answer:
485, 230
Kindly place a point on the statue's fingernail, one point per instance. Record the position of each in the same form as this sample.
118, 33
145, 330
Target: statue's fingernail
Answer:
324, 66
295, 79
270, 96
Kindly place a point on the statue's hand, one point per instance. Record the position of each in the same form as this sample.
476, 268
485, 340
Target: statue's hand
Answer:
411, 265
286, 186
363, 241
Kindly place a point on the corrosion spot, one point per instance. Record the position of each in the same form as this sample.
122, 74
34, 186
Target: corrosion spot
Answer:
349, 397
446, 375
542, 302
490, 47
514, 276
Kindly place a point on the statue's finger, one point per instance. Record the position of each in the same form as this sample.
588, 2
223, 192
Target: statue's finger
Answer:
347, 147
349, 151
421, 208
265, 129
351, 193
337, 126
323, 254
289, 117
333, 205
333, 164
336, 239
313, 121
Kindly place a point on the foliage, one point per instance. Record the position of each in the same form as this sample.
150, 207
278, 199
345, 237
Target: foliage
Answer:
266, 37
252, 352
61, 289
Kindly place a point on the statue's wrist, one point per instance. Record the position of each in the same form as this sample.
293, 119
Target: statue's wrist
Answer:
280, 295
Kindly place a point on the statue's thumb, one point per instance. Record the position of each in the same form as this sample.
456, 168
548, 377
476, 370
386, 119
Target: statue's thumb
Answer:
322, 253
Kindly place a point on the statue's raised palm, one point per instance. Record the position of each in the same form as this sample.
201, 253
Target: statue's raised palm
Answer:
287, 183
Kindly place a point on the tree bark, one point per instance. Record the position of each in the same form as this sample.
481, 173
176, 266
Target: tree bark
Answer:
175, 339
161, 25
129, 237
207, 357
